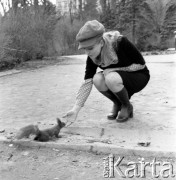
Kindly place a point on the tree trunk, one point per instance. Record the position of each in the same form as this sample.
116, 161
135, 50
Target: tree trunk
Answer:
3, 8
70, 12
44, 3
103, 4
14, 6
36, 6
80, 9
113, 4
175, 39
134, 25
24, 3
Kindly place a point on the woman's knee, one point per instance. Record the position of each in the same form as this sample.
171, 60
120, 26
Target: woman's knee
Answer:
99, 82
113, 80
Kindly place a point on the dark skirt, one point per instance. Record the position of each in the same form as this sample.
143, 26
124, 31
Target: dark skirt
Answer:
134, 81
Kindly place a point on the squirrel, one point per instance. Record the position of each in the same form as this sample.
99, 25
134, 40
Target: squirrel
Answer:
26, 131
46, 134
41, 135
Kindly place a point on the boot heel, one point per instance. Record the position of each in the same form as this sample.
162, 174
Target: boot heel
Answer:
131, 114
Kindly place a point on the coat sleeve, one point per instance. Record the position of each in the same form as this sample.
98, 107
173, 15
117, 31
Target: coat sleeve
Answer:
84, 92
91, 69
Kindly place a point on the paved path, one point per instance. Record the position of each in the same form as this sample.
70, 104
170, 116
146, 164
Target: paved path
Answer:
41, 95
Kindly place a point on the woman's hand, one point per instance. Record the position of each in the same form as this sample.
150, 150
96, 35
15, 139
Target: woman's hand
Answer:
71, 115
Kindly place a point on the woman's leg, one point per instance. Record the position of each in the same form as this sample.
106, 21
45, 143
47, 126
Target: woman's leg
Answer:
99, 82
114, 82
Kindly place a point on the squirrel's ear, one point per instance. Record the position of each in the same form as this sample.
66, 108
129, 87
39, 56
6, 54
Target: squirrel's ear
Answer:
63, 124
58, 121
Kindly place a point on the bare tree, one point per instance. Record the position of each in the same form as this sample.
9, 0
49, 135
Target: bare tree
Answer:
15, 5
80, 9
36, 4
3, 6
70, 11
103, 5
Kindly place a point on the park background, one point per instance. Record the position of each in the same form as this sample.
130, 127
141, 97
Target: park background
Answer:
34, 29
33, 33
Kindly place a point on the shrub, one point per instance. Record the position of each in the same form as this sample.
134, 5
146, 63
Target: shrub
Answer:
26, 35
65, 35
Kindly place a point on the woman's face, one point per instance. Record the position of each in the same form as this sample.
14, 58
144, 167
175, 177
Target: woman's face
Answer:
94, 51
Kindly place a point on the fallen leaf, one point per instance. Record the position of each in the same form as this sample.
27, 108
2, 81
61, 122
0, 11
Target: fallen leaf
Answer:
2, 131
144, 144
56, 150
26, 153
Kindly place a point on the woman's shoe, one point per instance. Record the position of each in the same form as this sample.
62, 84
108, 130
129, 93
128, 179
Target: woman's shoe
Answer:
116, 106
113, 114
126, 108
125, 113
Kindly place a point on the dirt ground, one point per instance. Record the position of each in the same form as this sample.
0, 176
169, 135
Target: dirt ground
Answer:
20, 163
40, 95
